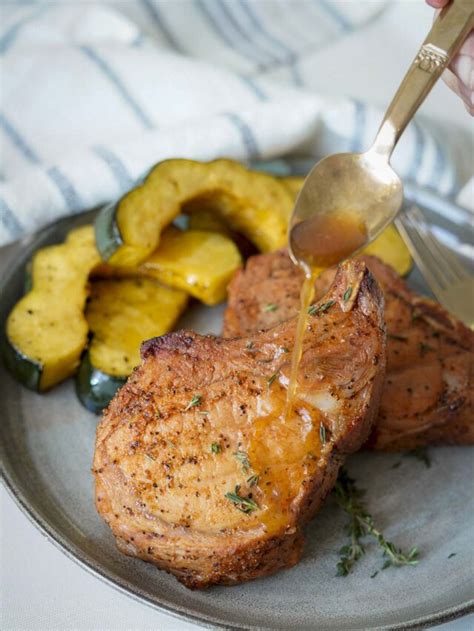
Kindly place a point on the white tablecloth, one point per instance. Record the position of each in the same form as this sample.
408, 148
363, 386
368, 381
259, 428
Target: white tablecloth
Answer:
41, 589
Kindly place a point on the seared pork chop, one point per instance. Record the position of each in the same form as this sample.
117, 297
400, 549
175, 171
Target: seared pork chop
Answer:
429, 387
197, 468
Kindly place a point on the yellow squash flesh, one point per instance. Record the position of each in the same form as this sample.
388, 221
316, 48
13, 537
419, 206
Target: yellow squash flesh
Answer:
198, 262
47, 327
122, 314
206, 220
201, 263
253, 203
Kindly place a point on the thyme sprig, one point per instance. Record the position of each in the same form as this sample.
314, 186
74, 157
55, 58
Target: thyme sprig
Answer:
425, 348
399, 338
421, 454
196, 400
270, 307
253, 480
244, 504
361, 525
272, 378
322, 434
314, 309
243, 458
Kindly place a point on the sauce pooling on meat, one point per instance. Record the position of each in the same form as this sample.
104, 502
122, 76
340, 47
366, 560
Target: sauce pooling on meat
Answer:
284, 450
321, 241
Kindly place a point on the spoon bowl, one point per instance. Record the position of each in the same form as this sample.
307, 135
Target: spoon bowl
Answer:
357, 192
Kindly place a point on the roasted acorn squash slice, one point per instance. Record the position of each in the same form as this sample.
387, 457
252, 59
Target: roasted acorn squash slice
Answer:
121, 314
46, 330
198, 262
253, 203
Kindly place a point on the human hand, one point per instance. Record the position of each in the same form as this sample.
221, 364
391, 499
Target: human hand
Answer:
460, 74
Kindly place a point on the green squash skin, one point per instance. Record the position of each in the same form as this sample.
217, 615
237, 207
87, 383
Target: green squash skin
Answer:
24, 369
108, 237
28, 281
95, 388
107, 233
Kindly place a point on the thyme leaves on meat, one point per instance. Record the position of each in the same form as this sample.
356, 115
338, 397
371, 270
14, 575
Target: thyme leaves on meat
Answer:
272, 378
270, 307
347, 294
215, 448
314, 309
244, 504
196, 400
243, 458
322, 434
361, 525
399, 338
253, 480
425, 348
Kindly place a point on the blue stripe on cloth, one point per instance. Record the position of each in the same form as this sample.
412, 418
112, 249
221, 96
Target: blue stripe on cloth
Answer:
335, 14
8, 219
278, 167
289, 55
418, 149
116, 166
223, 33
254, 87
157, 17
246, 133
20, 143
259, 51
10, 35
67, 190
138, 41
359, 126
118, 84
296, 74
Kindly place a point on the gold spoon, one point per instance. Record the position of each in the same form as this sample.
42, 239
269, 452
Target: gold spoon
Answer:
349, 198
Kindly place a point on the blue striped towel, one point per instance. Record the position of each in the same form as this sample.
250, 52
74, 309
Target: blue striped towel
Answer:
94, 94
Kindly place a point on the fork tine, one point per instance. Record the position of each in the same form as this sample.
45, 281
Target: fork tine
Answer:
426, 248
431, 257
415, 245
430, 260
450, 262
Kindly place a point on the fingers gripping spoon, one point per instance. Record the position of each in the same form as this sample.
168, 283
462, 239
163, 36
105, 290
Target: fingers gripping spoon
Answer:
348, 198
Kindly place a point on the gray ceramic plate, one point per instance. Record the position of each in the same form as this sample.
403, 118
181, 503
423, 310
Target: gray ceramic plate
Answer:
47, 444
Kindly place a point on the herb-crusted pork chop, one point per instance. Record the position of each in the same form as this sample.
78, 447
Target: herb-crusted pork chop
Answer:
429, 387
197, 468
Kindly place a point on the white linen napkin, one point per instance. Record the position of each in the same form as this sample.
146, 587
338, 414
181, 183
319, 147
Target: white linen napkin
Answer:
94, 94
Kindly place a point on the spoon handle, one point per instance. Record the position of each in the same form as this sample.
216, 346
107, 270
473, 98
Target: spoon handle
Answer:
446, 36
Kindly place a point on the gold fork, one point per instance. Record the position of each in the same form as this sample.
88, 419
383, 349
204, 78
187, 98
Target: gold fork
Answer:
450, 282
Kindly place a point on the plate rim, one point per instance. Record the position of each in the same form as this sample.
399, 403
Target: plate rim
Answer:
74, 552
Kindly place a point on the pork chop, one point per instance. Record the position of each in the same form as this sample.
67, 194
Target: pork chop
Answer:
429, 387
197, 469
